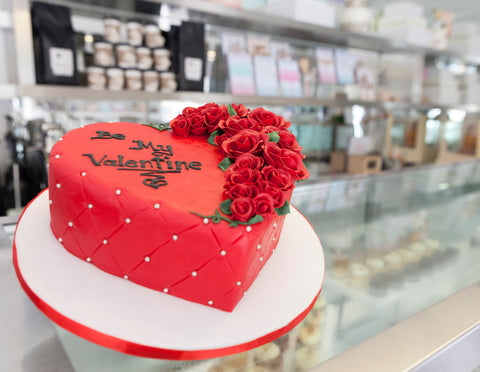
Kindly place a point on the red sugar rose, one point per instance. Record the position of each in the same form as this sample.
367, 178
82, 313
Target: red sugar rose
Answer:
248, 161
275, 192
288, 141
245, 141
278, 177
213, 115
197, 125
268, 118
180, 126
244, 175
235, 124
242, 209
263, 204
189, 111
241, 190
240, 109
285, 159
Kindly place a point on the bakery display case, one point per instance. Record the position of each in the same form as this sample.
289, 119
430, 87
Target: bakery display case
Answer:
395, 244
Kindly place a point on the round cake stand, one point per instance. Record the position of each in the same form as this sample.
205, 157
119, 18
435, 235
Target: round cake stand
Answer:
135, 320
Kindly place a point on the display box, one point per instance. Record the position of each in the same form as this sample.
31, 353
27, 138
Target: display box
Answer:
469, 145
338, 161
364, 164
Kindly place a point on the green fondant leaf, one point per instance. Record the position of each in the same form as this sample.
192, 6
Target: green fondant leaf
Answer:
211, 139
255, 219
225, 163
231, 110
273, 137
233, 223
160, 127
225, 206
284, 209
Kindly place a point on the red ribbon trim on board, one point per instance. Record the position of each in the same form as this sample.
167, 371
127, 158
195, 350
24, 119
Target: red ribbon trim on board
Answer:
132, 348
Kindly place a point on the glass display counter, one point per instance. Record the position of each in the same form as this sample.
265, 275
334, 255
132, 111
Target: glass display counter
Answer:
395, 244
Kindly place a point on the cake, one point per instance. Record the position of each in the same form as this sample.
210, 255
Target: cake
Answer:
269, 356
194, 209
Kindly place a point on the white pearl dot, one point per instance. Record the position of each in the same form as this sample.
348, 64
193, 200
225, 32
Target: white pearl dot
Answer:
205, 221
50, 201
147, 259
223, 253
175, 237
244, 293
194, 273
89, 259
60, 139
60, 240
125, 277
128, 220
70, 224
58, 185
84, 174
157, 206
275, 224
118, 192
261, 259
274, 238
57, 156
105, 241
165, 290
249, 228
210, 302
273, 251
258, 247
239, 283
90, 206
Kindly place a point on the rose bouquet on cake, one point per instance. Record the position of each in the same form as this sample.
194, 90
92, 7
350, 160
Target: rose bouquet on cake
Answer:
262, 158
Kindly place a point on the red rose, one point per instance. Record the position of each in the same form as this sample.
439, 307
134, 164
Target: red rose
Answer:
189, 111
220, 138
268, 118
246, 141
285, 159
275, 192
263, 204
244, 175
240, 109
241, 190
180, 126
242, 209
207, 106
213, 116
278, 177
197, 125
248, 161
235, 124
288, 141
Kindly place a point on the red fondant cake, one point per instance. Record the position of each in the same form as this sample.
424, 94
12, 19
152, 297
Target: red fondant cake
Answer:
194, 212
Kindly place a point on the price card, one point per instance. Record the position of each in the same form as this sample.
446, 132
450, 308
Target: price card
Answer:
240, 71
266, 79
345, 64
290, 78
326, 65
233, 42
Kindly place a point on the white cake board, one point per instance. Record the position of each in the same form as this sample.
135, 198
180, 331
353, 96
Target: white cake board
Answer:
129, 318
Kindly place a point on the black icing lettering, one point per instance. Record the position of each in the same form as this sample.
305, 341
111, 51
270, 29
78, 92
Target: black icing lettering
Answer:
143, 162
94, 162
158, 160
110, 163
169, 164
168, 150
131, 163
141, 145
102, 134
178, 165
195, 165
120, 160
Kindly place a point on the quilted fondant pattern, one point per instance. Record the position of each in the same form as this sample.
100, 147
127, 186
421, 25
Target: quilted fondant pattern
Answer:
109, 218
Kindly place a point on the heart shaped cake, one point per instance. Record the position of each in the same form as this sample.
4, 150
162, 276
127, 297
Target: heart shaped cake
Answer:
192, 211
